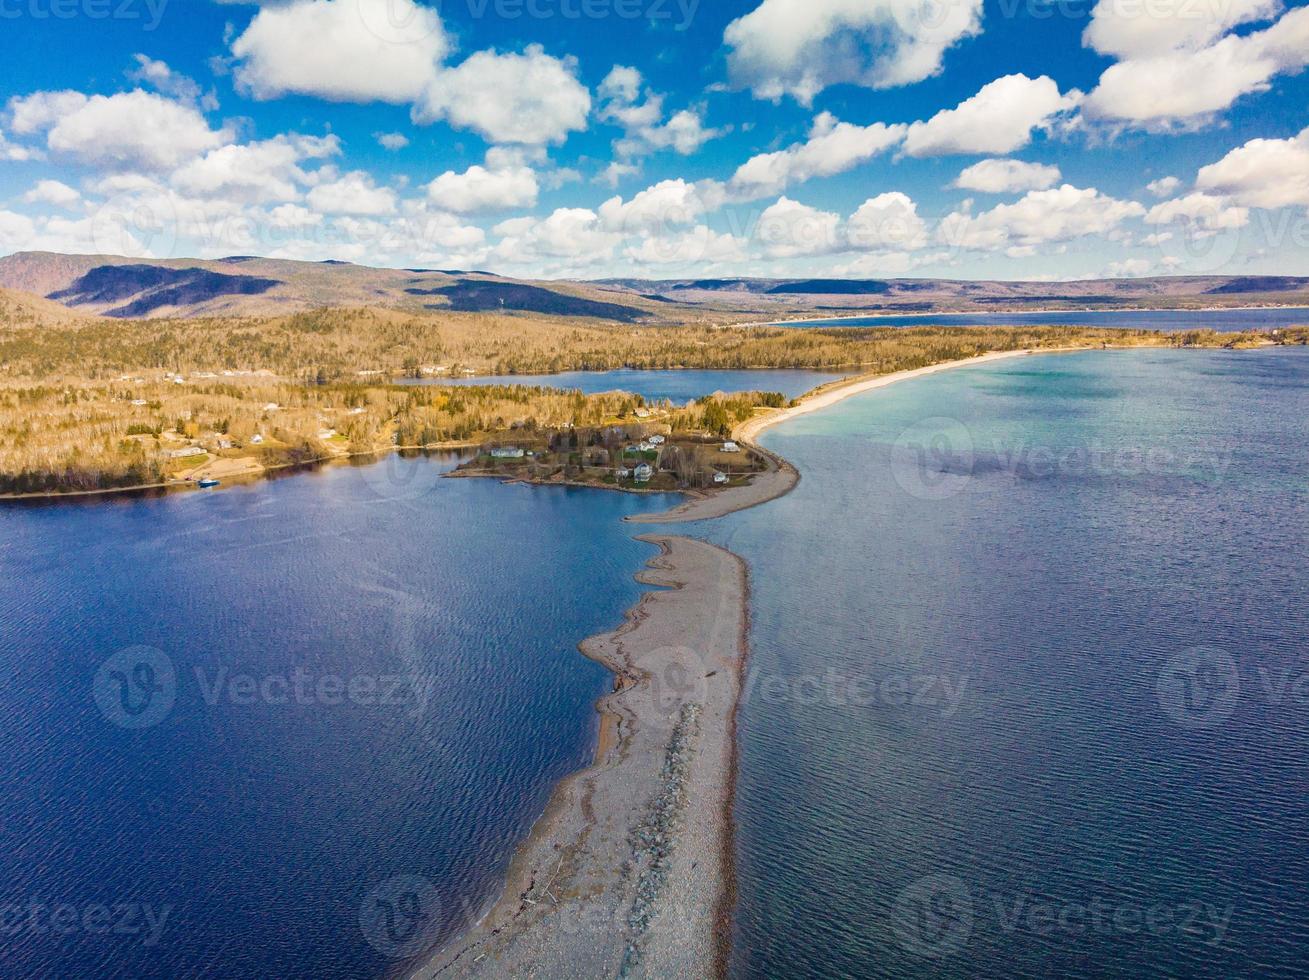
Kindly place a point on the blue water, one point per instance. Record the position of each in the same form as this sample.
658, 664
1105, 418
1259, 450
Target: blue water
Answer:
1224, 321
267, 829
675, 386
1029, 690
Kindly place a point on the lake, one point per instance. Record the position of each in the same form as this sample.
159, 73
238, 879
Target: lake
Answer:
674, 386
240, 728
1029, 690
1224, 321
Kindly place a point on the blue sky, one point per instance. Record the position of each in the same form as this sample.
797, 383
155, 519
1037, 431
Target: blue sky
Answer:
1017, 139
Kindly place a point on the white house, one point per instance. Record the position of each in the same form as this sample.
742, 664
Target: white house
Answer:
730, 447
623, 473
256, 440
643, 473
656, 440
720, 477
507, 452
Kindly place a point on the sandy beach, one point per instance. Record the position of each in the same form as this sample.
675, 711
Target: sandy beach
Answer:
620, 872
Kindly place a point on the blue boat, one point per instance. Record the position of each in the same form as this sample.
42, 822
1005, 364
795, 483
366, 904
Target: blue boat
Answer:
209, 484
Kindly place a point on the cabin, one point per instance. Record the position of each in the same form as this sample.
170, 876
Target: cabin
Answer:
643, 473
730, 447
507, 452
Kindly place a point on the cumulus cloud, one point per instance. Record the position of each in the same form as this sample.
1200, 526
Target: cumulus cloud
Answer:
624, 101
666, 204
529, 98
341, 50
482, 189
1199, 211
1263, 173
1183, 77
1128, 269
788, 229
1000, 118
353, 193
696, 246
1164, 186
138, 129
800, 47
1038, 218
260, 172
1136, 30
567, 234
53, 192
391, 141
1007, 176
833, 147
887, 223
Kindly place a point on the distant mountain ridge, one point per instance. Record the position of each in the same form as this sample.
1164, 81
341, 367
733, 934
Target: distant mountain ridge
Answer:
244, 285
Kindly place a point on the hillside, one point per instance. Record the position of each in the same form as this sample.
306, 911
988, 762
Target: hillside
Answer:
20, 309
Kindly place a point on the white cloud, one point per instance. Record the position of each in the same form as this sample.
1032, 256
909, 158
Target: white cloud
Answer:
342, 50
693, 247
1007, 176
1185, 86
53, 192
260, 172
788, 228
1164, 186
482, 189
354, 193
800, 47
1039, 217
998, 119
833, 147
163, 79
642, 120
132, 129
1128, 269
887, 223
1264, 173
568, 233
1199, 211
16, 231
13, 153
1137, 30
666, 204
527, 98
391, 141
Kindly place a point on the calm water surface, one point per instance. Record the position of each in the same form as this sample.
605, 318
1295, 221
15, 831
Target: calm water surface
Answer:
361, 684
676, 386
1224, 321
1030, 689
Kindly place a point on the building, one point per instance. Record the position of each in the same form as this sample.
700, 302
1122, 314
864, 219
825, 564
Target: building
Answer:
256, 440
720, 477
507, 452
656, 440
643, 473
623, 473
730, 447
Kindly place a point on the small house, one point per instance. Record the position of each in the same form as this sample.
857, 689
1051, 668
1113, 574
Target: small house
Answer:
256, 440
720, 478
643, 473
623, 473
730, 447
656, 440
507, 452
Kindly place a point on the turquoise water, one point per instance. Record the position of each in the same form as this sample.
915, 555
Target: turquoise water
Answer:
1224, 321
242, 728
1029, 694
676, 386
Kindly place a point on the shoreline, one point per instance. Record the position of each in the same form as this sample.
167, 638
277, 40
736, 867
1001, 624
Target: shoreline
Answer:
615, 874
1037, 312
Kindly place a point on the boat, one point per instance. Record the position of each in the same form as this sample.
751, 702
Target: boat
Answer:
209, 484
